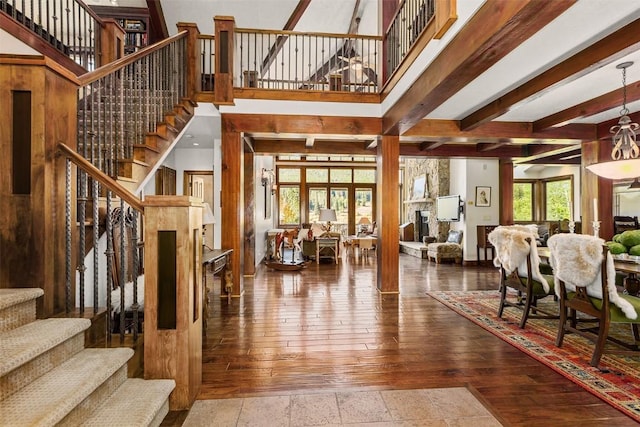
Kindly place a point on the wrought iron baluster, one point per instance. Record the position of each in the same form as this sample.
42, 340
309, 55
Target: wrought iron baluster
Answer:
109, 255
67, 233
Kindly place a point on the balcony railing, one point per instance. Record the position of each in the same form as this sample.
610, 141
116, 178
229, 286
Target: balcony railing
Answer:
67, 25
288, 60
412, 18
307, 61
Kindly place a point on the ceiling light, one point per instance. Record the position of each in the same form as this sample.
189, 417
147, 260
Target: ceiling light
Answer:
625, 163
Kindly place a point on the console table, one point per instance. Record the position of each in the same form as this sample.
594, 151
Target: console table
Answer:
217, 260
327, 242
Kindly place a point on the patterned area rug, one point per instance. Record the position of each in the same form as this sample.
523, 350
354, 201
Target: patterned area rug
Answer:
617, 382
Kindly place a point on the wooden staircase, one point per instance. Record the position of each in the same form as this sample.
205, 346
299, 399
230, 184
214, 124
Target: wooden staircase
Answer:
146, 147
48, 378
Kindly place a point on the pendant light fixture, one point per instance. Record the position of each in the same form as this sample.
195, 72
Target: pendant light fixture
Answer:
625, 163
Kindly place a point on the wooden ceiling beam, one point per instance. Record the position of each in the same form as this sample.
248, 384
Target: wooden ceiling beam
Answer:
489, 147
458, 150
432, 145
532, 152
429, 128
281, 40
588, 108
605, 51
604, 127
281, 146
498, 27
362, 127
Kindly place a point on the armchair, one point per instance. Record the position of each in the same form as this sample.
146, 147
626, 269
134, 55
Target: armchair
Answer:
585, 282
451, 249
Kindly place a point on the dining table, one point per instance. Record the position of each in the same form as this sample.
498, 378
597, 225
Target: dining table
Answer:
621, 264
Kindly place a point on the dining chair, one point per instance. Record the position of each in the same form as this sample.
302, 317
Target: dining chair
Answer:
366, 245
585, 283
517, 258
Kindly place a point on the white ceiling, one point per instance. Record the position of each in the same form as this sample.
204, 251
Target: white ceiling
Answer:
580, 26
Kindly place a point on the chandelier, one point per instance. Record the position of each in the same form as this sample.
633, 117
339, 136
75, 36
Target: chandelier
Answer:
625, 163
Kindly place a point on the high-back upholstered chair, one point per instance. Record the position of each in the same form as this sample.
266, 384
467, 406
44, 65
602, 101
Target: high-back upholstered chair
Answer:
451, 249
585, 282
366, 245
517, 256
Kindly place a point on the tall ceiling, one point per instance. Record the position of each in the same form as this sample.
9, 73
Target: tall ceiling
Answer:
545, 73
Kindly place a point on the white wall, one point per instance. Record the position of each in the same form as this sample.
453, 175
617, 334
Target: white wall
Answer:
466, 175
262, 224
13, 46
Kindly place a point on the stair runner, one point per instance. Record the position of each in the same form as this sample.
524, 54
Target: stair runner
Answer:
47, 377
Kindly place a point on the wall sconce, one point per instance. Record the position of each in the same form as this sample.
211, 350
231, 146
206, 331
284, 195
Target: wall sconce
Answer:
268, 180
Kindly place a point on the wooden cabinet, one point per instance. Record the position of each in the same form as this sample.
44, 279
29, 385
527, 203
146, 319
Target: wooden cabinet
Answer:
133, 20
483, 241
406, 232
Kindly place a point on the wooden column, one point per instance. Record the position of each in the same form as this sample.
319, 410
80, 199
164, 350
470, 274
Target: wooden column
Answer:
223, 83
111, 42
194, 62
506, 192
249, 214
173, 295
232, 201
38, 109
594, 187
387, 217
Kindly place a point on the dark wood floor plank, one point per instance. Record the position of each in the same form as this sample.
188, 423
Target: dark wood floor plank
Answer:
327, 329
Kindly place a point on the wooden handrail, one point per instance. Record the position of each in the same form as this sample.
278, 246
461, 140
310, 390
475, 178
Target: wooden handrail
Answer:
128, 59
299, 33
101, 177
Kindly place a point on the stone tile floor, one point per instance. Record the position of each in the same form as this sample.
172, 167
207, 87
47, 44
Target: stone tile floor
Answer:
424, 407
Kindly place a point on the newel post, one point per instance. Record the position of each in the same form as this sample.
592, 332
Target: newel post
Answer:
111, 42
193, 65
173, 295
223, 83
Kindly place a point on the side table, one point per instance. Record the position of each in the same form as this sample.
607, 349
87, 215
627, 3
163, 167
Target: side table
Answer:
326, 242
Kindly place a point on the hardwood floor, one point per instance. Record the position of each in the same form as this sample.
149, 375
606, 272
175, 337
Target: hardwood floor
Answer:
327, 328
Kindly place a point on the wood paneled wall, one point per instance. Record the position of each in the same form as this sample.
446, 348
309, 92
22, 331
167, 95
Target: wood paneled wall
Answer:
32, 249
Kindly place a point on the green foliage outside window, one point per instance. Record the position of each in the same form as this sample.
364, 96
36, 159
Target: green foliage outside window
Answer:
289, 204
558, 199
523, 201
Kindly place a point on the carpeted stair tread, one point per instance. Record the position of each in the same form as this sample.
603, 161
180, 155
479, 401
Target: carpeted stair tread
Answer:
13, 296
19, 346
136, 403
51, 397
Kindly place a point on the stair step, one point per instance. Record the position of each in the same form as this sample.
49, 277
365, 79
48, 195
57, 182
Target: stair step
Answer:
137, 402
32, 350
18, 307
69, 392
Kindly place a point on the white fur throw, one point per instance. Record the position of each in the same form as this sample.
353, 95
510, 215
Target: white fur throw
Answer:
512, 250
577, 260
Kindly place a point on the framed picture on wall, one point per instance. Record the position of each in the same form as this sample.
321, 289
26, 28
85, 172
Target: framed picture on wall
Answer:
419, 188
483, 196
